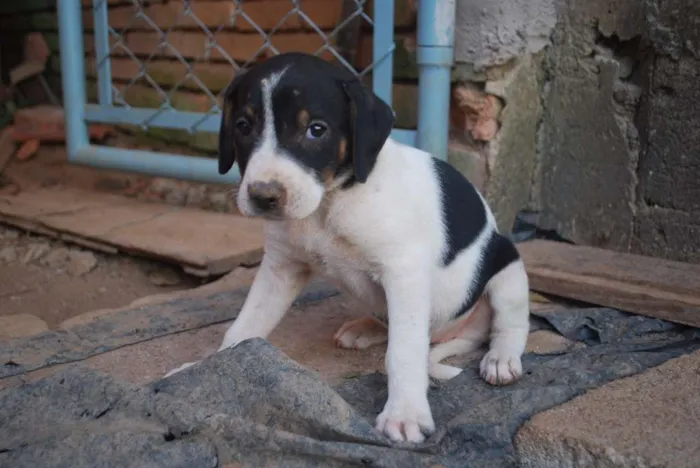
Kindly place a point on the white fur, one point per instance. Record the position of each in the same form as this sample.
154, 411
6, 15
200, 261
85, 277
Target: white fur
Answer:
382, 241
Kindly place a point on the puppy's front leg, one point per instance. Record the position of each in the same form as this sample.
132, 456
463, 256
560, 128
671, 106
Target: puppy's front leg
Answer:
278, 282
407, 415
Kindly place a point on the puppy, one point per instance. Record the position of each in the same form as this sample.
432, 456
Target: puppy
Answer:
404, 233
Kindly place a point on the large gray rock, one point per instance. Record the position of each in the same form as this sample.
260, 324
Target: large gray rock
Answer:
650, 419
254, 405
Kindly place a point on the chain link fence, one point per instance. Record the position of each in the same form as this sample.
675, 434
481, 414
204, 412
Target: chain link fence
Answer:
163, 64
220, 38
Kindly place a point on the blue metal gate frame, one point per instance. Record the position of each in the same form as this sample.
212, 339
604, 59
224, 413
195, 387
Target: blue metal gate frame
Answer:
434, 57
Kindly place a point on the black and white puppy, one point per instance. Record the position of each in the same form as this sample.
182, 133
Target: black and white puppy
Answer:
404, 233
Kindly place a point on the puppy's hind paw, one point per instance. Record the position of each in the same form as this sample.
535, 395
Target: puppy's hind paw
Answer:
501, 367
360, 334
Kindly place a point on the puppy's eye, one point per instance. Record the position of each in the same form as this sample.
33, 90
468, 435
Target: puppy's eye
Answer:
316, 130
243, 127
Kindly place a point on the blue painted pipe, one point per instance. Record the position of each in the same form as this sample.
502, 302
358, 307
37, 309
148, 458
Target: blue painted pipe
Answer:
383, 49
103, 63
192, 168
70, 22
435, 56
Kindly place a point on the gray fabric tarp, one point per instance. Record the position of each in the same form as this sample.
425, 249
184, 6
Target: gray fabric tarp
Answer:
254, 405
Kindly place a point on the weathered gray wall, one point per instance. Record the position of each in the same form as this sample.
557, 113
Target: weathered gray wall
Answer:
589, 145
668, 218
611, 92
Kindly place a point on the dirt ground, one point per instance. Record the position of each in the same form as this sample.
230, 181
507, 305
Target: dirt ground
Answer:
55, 281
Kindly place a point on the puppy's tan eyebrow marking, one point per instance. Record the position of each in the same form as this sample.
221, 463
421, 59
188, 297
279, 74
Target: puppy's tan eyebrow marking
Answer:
250, 111
303, 118
342, 150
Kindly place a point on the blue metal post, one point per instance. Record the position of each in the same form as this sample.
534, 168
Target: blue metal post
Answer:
73, 70
383, 49
435, 55
103, 63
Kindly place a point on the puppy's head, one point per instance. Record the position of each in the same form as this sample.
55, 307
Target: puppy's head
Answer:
299, 127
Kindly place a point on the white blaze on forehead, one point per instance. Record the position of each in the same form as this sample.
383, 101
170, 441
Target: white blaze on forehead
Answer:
269, 140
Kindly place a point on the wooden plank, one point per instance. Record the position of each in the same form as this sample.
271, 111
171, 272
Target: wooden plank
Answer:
206, 242
648, 286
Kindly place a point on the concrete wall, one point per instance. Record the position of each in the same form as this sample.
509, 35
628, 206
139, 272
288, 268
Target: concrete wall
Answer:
603, 130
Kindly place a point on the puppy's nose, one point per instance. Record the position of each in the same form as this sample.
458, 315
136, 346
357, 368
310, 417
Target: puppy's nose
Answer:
266, 196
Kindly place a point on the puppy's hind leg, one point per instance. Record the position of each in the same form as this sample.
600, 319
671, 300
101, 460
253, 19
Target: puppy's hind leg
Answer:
361, 333
461, 338
508, 291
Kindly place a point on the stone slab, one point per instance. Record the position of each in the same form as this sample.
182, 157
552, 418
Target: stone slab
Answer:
203, 243
651, 419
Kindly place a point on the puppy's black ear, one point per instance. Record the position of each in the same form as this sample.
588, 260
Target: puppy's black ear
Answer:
371, 121
227, 145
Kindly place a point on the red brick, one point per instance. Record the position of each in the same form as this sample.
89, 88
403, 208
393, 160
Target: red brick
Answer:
215, 76
141, 95
28, 150
192, 45
265, 14
39, 115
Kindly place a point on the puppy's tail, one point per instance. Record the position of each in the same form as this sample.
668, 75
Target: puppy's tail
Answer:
447, 349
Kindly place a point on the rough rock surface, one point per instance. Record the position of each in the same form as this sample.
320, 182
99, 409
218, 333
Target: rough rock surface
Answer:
650, 419
254, 405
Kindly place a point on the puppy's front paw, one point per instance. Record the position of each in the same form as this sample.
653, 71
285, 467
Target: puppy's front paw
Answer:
181, 368
406, 420
501, 367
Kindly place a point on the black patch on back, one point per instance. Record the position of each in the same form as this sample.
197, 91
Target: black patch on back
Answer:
464, 216
463, 212
499, 253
